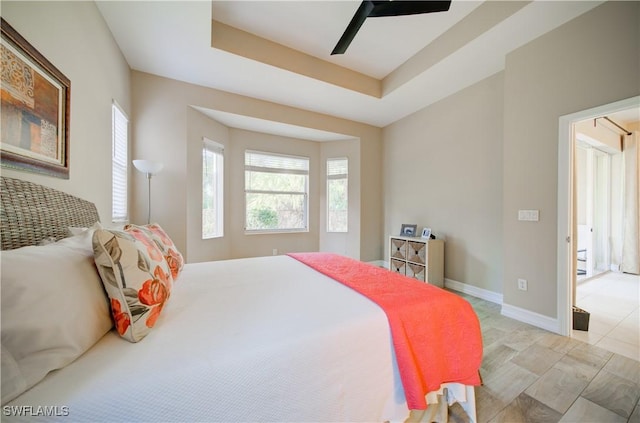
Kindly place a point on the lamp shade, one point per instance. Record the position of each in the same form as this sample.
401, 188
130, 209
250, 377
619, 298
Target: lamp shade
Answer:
148, 166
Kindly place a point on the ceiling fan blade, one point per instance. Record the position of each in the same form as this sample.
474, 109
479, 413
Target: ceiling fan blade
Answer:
372, 9
352, 29
402, 7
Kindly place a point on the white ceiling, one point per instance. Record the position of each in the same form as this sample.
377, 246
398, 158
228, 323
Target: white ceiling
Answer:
173, 39
625, 117
314, 27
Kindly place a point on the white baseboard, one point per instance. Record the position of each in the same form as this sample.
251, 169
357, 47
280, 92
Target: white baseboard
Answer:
531, 317
380, 263
483, 294
513, 312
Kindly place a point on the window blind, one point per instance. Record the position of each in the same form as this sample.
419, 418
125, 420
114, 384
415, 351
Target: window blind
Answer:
337, 195
119, 169
212, 189
337, 168
276, 192
275, 163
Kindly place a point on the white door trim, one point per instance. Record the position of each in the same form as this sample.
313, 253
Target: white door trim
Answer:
566, 143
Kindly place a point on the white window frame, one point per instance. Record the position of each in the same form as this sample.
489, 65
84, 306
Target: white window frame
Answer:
119, 164
305, 194
336, 176
217, 149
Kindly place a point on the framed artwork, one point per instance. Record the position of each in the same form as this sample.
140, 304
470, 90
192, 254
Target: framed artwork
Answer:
35, 109
408, 229
426, 233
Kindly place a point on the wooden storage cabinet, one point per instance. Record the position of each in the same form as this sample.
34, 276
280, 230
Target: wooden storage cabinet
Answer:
418, 258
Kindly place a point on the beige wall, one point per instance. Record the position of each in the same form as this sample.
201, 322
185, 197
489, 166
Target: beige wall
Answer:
75, 39
371, 195
467, 164
590, 61
450, 147
443, 170
167, 128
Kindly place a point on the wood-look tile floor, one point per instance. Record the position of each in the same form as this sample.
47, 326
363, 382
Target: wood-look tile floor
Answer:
531, 375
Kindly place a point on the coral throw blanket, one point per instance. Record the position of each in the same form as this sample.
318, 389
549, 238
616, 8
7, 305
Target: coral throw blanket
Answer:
436, 334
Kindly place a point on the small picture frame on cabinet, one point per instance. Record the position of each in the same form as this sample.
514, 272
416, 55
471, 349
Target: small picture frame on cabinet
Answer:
426, 233
408, 229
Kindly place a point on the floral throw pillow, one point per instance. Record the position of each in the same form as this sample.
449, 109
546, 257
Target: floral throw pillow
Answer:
136, 277
166, 245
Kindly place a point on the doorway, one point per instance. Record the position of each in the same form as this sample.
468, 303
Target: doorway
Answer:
567, 241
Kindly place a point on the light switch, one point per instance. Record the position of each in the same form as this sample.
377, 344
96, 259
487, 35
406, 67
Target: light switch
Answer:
529, 215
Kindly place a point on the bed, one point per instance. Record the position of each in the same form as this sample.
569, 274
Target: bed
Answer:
256, 339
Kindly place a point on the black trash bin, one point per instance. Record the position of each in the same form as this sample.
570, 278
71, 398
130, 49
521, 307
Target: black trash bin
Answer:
580, 319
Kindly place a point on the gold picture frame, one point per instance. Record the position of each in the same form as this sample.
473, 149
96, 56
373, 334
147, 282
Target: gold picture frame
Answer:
35, 109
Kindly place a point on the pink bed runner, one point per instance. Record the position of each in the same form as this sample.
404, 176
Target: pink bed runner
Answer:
436, 334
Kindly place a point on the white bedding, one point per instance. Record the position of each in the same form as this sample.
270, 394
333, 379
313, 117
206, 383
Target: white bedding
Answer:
260, 339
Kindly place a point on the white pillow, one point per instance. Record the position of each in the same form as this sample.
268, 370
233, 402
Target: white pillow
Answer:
54, 308
13, 383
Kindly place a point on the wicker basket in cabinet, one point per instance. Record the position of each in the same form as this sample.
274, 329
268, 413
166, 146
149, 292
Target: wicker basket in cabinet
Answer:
418, 258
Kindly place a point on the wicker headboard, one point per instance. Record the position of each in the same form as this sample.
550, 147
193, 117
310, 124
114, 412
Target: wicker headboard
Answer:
30, 213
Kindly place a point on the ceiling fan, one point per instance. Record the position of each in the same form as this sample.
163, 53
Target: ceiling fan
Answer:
371, 9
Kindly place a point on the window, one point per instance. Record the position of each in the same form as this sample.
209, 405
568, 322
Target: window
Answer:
212, 189
337, 195
120, 147
276, 192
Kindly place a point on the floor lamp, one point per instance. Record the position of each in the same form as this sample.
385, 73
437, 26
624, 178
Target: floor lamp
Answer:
149, 168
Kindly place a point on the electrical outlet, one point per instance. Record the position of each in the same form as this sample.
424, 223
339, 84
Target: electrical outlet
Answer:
275, 251
522, 284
